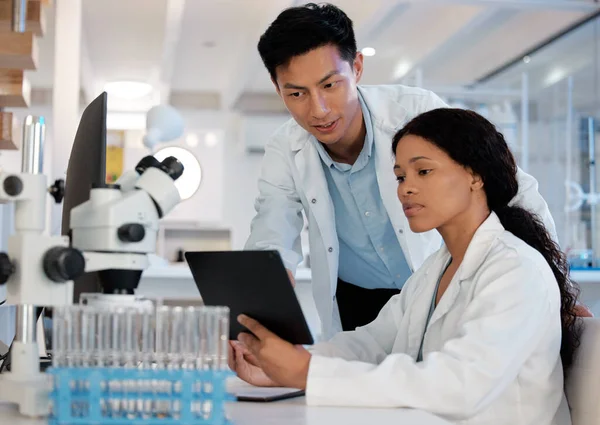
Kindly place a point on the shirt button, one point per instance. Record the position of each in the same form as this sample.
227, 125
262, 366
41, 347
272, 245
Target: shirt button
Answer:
313, 200
330, 249
367, 213
398, 276
382, 249
401, 231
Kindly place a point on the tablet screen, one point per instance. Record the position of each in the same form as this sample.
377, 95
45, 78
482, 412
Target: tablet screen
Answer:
254, 283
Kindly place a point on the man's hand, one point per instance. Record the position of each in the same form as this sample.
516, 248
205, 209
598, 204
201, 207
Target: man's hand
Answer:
281, 362
291, 276
582, 311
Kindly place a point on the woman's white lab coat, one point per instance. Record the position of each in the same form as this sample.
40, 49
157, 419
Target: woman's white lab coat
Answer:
491, 352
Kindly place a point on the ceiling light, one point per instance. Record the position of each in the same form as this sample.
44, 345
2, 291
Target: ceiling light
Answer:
128, 89
555, 76
211, 139
401, 69
368, 51
192, 140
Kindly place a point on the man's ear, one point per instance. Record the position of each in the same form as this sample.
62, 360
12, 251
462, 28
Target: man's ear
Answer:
357, 66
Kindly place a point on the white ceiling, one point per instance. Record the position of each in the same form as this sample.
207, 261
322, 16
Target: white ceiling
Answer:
209, 46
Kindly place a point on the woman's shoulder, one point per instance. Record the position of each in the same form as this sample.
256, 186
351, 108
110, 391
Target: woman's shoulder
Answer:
513, 258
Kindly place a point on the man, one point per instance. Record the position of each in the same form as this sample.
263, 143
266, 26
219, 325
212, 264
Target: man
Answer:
334, 162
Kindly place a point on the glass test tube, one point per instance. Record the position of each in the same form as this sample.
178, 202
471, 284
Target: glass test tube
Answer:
191, 347
59, 337
103, 324
163, 324
116, 348
176, 338
102, 356
223, 334
129, 345
145, 359
88, 336
175, 356
212, 337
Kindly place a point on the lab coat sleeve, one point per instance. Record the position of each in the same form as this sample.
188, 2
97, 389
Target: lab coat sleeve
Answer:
278, 220
370, 343
502, 325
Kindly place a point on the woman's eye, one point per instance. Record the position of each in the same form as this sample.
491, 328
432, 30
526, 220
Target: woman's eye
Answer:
424, 172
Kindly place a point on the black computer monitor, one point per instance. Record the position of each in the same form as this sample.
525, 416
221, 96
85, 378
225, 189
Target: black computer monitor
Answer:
87, 168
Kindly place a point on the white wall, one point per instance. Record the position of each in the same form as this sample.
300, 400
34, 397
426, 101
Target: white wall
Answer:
236, 170
240, 178
230, 174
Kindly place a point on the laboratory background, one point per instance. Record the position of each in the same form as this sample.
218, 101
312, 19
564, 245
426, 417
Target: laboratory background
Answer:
184, 78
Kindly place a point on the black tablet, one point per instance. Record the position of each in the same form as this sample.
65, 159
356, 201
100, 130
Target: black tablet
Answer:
254, 283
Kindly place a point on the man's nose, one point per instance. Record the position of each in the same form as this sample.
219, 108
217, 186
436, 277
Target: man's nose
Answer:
319, 107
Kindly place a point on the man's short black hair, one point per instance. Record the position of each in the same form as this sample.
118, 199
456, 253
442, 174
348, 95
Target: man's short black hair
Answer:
298, 30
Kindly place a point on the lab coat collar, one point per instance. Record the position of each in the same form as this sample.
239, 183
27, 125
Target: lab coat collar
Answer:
478, 248
477, 251
387, 114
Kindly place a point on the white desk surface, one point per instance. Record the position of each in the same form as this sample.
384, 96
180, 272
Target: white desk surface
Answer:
292, 411
289, 412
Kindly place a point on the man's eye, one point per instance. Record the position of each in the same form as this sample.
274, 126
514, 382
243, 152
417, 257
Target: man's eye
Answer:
400, 179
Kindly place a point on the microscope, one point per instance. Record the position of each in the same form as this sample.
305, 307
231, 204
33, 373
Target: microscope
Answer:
112, 233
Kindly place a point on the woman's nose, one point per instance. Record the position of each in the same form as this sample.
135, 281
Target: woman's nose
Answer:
406, 188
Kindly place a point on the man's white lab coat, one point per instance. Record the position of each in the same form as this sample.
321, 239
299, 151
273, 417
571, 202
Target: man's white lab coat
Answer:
491, 354
292, 179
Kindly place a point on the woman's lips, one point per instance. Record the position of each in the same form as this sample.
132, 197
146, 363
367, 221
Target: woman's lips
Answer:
411, 210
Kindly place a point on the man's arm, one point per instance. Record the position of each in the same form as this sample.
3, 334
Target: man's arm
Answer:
278, 220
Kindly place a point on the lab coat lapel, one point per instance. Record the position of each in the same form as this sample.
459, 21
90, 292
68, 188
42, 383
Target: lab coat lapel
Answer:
447, 300
314, 183
388, 116
421, 299
475, 255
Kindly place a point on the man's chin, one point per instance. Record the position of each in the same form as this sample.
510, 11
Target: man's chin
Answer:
326, 140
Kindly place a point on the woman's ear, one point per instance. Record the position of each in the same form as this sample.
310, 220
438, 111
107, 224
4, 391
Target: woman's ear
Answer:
476, 180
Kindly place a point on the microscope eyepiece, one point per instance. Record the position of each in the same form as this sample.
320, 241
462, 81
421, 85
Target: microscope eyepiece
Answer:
145, 163
173, 167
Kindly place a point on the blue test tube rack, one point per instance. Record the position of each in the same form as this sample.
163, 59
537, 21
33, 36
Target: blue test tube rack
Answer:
95, 389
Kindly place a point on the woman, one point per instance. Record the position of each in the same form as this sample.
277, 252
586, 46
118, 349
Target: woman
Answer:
479, 331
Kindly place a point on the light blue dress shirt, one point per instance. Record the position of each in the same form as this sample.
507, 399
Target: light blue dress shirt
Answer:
370, 255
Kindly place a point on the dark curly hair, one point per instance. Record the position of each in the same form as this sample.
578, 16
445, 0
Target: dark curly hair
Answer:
298, 30
473, 142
